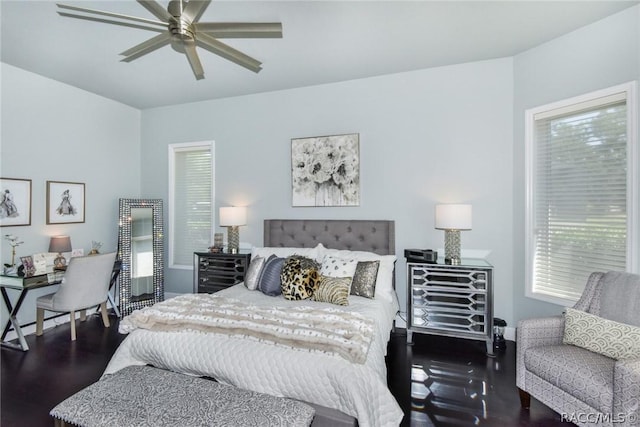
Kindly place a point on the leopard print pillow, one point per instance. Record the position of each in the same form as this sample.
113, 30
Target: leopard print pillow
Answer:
299, 277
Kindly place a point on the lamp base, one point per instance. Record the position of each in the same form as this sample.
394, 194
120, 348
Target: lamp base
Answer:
60, 261
233, 239
452, 246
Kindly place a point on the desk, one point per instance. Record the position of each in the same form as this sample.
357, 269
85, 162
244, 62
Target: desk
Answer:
24, 285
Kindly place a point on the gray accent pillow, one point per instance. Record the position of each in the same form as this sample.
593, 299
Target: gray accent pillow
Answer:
334, 290
364, 279
607, 337
253, 273
269, 281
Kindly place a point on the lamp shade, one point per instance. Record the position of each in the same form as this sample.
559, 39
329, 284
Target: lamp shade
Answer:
233, 216
59, 244
453, 217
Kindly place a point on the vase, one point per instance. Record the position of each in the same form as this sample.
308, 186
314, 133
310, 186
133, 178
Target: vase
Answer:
328, 194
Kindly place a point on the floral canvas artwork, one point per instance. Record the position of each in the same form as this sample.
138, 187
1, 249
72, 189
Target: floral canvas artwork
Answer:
325, 170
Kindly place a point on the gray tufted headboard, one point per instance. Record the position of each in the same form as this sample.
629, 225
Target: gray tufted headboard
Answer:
357, 235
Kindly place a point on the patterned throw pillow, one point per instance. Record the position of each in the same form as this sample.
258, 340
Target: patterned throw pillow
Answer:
607, 337
364, 279
338, 267
299, 277
253, 273
269, 281
333, 289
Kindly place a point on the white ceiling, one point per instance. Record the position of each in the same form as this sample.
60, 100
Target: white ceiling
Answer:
323, 41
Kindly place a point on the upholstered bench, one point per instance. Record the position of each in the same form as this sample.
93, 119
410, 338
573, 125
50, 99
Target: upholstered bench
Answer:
147, 396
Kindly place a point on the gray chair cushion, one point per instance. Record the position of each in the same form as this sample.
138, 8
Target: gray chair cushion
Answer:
586, 375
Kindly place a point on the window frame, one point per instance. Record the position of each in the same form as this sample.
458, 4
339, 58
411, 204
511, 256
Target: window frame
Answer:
172, 150
633, 187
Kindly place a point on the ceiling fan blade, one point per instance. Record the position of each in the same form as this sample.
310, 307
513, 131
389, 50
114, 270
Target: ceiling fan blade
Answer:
194, 60
227, 52
112, 15
194, 9
146, 47
233, 30
109, 21
156, 9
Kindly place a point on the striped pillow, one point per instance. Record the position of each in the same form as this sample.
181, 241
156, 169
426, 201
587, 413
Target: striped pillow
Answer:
334, 290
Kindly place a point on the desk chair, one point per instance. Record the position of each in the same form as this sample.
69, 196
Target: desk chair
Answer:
85, 285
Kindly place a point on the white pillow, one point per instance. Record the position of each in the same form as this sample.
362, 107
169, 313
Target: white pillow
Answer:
333, 266
266, 252
384, 279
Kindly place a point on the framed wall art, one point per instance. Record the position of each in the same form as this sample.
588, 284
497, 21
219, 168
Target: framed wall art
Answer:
15, 202
325, 170
65, 202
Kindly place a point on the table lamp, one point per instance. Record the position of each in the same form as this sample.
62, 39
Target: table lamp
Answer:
232, 217
60, 244
452, 218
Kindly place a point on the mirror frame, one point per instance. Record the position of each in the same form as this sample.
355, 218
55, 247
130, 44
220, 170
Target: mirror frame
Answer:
127, 304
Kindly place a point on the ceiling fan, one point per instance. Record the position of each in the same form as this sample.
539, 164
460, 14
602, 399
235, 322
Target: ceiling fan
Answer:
179, 27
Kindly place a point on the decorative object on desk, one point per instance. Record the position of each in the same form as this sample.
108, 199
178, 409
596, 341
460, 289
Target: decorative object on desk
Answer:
95, 247
28, 266
232, 217
325, 170
60, 244
15, 202
498, 333
452, 218
65, 202
218, 240
43, 262
13, 242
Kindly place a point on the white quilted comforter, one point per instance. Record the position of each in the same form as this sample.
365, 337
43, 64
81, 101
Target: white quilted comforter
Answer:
329, 380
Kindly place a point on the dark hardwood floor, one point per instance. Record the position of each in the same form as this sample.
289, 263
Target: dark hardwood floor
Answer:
437, 381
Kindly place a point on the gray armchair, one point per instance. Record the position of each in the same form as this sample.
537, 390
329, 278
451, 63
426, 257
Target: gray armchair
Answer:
85, 285
588, 388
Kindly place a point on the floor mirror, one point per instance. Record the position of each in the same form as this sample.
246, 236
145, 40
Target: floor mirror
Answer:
140, 247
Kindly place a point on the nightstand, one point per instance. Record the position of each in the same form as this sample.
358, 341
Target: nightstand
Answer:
213, 272
451, 300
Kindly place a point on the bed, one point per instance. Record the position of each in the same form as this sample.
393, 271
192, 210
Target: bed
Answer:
353, 384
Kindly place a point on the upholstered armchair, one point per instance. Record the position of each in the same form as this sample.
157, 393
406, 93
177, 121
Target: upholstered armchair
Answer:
583, 385
85, 285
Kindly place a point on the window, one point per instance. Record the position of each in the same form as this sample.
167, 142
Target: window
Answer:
582, 200
191, 200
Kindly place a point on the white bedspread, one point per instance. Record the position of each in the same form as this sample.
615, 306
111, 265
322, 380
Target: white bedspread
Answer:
359, 390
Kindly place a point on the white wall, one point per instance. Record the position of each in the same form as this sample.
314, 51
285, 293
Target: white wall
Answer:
600, 55
52, 131
436, 135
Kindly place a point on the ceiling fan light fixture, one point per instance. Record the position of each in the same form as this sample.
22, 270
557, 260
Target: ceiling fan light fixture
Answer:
183, 32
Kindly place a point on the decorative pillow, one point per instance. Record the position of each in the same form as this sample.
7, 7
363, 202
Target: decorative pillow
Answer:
299, 277
333, 266
607, 337
253, 273
283, 252
333, 289
269, 281
364, 279
384, 279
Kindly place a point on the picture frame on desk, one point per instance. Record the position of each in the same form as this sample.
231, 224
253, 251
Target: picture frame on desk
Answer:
15, 202
65, 202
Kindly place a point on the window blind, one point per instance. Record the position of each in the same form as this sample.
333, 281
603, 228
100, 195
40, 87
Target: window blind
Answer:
192, 203
580, 195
